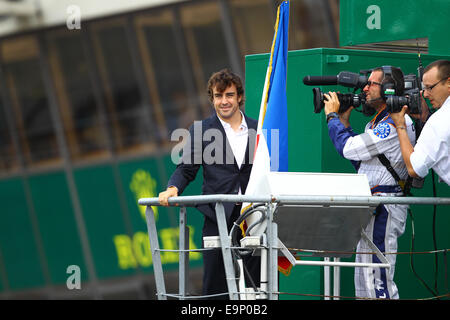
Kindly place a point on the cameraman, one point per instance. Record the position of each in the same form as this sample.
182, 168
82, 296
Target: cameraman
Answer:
363, 150
432, 148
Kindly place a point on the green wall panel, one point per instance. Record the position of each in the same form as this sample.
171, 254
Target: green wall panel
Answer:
17, 242
102, 212
369, 21
60, 237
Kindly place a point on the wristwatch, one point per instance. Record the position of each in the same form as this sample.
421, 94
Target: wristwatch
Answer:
332, 115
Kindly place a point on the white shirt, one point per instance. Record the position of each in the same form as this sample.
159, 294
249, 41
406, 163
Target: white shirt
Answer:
237, 139
432, 148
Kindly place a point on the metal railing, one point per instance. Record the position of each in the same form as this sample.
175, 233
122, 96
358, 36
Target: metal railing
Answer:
269, 249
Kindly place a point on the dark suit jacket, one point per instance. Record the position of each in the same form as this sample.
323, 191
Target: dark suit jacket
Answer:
220, 176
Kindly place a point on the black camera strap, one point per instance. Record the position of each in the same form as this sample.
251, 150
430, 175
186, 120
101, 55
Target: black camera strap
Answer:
405, 185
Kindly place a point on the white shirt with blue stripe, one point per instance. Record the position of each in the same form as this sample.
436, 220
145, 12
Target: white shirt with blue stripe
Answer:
379, 137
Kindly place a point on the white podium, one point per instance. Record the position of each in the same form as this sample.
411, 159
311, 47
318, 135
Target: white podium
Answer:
320, 227
327, 230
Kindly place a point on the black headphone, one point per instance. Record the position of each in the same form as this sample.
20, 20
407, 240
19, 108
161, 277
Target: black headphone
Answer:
390, 87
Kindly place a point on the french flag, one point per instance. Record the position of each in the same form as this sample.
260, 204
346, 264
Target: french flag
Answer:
271, 151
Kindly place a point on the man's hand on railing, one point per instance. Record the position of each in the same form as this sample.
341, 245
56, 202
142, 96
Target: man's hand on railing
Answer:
164, 196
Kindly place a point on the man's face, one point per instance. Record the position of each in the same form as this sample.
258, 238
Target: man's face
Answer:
436, 90
227, 102
373, 88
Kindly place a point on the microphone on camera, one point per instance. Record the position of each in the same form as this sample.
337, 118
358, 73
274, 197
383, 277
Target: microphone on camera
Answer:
320, 80
344, 78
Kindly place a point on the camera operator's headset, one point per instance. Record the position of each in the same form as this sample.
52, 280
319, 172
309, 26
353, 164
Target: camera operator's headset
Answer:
390, 87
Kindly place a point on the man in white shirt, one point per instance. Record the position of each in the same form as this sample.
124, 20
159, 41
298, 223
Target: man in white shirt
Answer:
432, 148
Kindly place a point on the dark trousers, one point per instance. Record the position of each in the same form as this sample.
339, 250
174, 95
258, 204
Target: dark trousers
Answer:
214, 280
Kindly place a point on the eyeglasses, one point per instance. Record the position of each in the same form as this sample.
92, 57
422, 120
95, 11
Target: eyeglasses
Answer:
432, 86
369, 83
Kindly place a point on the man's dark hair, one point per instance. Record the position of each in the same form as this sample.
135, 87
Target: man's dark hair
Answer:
443, 68
221, 80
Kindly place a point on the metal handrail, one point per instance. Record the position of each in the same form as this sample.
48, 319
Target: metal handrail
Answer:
299, 200
272, 248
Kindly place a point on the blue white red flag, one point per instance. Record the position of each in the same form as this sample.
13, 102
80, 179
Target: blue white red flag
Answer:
271, 151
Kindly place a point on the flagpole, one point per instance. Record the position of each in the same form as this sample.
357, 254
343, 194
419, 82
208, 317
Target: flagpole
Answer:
271, 149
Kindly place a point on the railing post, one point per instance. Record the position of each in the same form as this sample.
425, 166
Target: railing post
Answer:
336, 280
272, 241
326, 279
154, 246
226, 251
184, 254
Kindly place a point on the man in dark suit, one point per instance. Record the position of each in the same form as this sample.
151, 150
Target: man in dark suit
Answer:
223, 145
